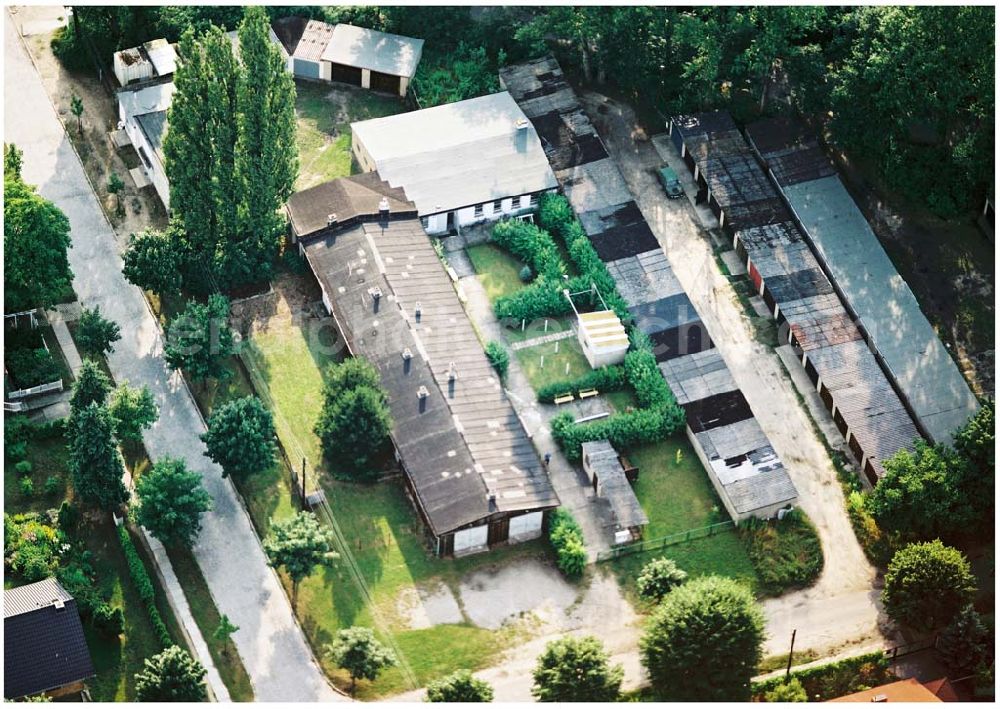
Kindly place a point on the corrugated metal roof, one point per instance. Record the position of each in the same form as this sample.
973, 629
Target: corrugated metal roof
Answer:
603, 460
147, 100
313, 41
369, 49
465, 441
25, 599
459, 154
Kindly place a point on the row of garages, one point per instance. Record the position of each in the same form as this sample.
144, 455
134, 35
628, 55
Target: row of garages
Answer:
744, 468
865, 406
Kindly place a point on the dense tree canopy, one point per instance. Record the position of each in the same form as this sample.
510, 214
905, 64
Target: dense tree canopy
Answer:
926, 585
199, 339
152, 260
95, 334
171, 502
35, 242
966, 642
133, 409
94, 461
658, 577
91, 386
240, 437
354, 423
704, 642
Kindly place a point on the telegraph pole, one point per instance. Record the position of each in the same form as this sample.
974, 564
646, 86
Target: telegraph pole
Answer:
304, 505
791, 650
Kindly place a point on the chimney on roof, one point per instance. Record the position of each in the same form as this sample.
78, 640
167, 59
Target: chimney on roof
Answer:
422, 392
880, 698
58, 603
331, 219
376, 293
417, 310
521, 124
407, 354
452, 372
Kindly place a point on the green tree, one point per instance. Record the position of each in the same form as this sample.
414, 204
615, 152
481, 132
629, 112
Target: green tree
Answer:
267, 155
35, 241
918, 495
464, 73
13, 158
199, 339
76, 108
94, 462
926, 584
95, 334
152, 261
965, 643
299, 544
354, 423
975, 443
356, 650
224, 631
459, 686
171, 676
91, 386
115, 186
704, 641
790, 691
240, 437
658, 577
134, 410
576, 669
171, 502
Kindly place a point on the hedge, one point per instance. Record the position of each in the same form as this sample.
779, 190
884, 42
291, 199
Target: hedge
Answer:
499, 358
566, 538
144, 585
542, 299
624, 430
604, 379
530, 244
835, 679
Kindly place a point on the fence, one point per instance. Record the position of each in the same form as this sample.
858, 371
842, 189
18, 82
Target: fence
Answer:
661, 542
33, 391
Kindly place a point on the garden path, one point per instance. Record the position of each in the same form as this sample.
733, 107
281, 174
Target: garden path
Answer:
270, 642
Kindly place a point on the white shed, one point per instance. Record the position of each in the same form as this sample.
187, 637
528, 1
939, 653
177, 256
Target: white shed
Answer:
602, 337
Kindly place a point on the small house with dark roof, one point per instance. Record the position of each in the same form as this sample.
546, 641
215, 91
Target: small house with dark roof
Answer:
142, 113
469, 466
374, 60
44, 649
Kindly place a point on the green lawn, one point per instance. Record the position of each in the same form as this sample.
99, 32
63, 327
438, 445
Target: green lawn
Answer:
49, 458
378, 522
323, 131
497, 270
537, 328
677, 495
553, 361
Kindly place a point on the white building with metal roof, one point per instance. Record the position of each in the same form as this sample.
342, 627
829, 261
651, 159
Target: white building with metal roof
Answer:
460, 163
143, 115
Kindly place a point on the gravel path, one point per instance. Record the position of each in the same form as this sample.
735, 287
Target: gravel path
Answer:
274, 651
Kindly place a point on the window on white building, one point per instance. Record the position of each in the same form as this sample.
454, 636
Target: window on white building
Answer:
478, 213
497, 206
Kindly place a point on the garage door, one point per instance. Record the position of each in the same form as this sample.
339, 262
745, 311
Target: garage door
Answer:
306, 69
345, 74
469, 540
526, 526
386, 83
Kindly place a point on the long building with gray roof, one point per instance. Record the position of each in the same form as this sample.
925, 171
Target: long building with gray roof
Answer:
744, 468
469, 464
881, 301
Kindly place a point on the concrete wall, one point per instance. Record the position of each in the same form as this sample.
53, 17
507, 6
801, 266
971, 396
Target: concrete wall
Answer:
467, 216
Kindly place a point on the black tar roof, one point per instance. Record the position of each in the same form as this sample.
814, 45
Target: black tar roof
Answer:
463, 443
43, 646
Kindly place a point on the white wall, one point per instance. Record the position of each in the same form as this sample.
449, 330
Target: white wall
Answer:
469, 541
366, 78
525, 527
155, 172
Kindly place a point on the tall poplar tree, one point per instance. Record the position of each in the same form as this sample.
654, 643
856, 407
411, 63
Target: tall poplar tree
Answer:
266, 157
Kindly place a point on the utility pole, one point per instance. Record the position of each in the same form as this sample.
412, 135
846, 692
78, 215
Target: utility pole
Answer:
791, 650
304, 505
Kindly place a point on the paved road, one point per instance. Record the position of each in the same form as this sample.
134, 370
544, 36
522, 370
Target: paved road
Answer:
842, 606
274, 651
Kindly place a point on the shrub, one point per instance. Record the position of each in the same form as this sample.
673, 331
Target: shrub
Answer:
790, 691
531, 245
355, 423
965, 643
835, 679
876, 543
576, 669
459, 686
79, 584
16, 431
68, 516
23, 468
785, 553
27, 487
31, 548
171, 676
566, 538
658, 577
499, 358
32, 367
144, 586
525, 274
604, 379
95, 334
68, 50
52, 485
109, 620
